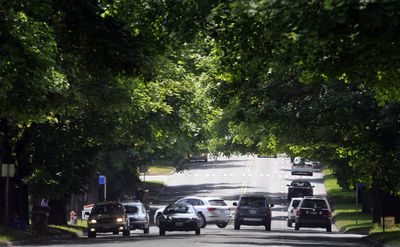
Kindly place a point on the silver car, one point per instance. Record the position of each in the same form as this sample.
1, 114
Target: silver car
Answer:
138, 217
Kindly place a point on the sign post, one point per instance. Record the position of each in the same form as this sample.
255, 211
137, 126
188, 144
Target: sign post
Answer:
358, 186
7, 170
103, 187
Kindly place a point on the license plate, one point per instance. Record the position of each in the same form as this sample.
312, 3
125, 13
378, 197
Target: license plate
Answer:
313, 213
251, 219
179, 224
252, 211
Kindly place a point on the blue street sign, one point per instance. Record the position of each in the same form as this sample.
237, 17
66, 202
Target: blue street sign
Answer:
102, 179
360, 185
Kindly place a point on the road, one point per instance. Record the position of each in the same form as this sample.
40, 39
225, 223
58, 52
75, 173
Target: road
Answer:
228, 179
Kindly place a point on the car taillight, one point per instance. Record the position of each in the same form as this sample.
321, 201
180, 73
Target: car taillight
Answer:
328, 213
291, 210
298, 213
211, 209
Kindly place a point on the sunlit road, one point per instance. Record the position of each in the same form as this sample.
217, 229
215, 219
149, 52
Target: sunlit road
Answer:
228, 179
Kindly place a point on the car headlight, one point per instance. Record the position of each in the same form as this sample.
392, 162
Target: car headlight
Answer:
120, 219
93, 221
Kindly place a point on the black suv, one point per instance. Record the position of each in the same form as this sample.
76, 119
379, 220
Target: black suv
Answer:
253, 210
107, 217
314, 212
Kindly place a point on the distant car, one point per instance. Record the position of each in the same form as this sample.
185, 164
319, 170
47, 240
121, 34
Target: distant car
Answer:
212, 210
253, 210
292, 209
179, 217
302, 166
198, 157
299, 188
267, 156
138, 217
314, 212
107, 217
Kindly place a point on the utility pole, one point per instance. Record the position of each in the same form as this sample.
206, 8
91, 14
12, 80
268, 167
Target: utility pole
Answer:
7, 170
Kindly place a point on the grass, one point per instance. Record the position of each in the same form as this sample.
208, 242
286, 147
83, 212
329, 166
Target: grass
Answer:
15, 235
154, 188
346, 214
160, 170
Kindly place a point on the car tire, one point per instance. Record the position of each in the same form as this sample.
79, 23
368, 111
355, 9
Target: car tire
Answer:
268, 227
197, 231
158, 219
297, 227
126, 232
146, 230
91, 234
329, 228
236, 226
289, 223
222, 225
115, 232
162, 232
203, 220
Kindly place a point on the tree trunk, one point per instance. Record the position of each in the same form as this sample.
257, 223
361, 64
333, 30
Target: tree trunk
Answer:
58, 212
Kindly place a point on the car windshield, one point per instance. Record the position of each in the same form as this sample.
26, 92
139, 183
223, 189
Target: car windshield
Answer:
217, 203
314, 204
107, 209
253, 202
301, 184
178, 209
132, 209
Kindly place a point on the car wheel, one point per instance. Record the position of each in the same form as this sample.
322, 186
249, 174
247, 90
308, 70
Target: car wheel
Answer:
115, 232
329, 228
203, 221
158, 219
126, 233
91, 234
197, 231
146, 230
222, 225
297, 227
236, 226
162, 232
289, 223
268, 227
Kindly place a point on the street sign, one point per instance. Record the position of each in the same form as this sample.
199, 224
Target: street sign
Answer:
360, 186
8, 170
102, 179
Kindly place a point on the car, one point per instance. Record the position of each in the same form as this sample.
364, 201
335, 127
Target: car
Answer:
212, 210
198, 157
299, 188
314, 212
108, 216
179, 217
302, 166
292, 209
253, 210
138, 217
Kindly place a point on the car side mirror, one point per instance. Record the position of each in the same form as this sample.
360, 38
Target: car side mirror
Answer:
288, 185
87, 213
235, 204
313, 186
271, 205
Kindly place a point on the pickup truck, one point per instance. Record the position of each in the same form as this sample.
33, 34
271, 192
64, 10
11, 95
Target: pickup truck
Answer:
299, 188
302, 166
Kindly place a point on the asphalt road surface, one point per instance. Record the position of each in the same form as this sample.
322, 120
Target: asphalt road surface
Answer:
228, 179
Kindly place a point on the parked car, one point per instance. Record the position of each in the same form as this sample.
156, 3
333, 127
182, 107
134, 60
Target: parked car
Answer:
253, 210
314, 212
212, 210
138, 217
179, 217
198, 157
299, 188
107, 217
302, 166
292, 210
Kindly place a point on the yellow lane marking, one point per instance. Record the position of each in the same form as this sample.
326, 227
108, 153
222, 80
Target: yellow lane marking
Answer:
247, 172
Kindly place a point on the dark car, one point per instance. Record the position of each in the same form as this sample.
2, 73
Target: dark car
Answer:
107, 217
314, 212
138, 217
179, 217
299, 188
253, 210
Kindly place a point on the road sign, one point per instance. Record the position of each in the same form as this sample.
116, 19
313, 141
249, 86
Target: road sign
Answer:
8, 170
102, 179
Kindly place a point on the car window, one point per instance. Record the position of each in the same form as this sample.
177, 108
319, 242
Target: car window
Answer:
107, 209
217, 203
178, 209
131, 209
295, 203
314, 204
194, 202
253, 202
301, 184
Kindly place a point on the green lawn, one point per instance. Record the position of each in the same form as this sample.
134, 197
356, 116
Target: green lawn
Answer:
344, 205
160, 170
14, 235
